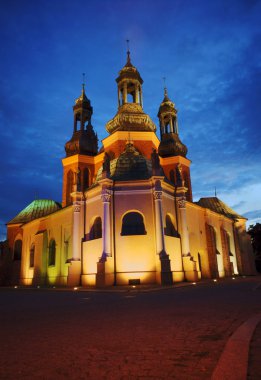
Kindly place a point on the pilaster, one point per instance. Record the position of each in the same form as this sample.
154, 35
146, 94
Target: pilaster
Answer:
104, 274
74, 270
189, 264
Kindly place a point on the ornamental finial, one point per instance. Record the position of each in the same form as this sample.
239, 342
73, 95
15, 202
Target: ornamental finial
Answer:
165, 88
83, 82
128, 51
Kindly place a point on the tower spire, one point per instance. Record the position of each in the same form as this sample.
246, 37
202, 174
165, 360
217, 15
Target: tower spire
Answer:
165, 89
170, 144
164, 81
128, 51
83, 82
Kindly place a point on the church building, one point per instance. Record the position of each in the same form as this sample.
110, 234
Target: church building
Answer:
127, 214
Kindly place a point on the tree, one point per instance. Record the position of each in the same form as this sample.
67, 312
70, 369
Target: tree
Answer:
255, 232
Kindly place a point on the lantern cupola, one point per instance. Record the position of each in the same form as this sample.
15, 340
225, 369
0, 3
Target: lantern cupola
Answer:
170, 144
130, 115
84, 140
129, 84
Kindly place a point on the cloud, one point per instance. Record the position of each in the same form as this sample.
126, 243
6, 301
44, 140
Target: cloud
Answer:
255, 214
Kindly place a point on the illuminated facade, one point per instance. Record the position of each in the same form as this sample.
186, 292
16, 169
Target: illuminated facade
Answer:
127, 214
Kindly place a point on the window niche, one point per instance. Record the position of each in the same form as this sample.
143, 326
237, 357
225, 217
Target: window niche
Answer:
133, 224
52, 253
31, 257
18, 250
170, 229
96, 229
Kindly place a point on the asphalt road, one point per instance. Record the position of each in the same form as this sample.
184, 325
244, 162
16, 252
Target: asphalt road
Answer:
166, 334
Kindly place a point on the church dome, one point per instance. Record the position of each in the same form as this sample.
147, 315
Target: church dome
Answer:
130, 165
130, 117
82, 142
166, 105
171, 145
82, 99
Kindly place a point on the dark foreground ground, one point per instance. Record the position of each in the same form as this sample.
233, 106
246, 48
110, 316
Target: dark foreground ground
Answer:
176, 333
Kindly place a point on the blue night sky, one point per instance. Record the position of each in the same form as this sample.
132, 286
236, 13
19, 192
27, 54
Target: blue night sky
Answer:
209, 51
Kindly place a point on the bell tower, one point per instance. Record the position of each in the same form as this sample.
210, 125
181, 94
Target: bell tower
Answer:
84, 140
130, 115
171, 150
167, 116
82, 111
129, 84
78, 166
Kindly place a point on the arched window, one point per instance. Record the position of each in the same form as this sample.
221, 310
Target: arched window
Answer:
133, 224
31, 258
130, 97
228, 243
85, 182
167, 125
52, 253
130, 93
214, 239
121, 97
170, 230
69, 187
18, 250
96, 229
77, 119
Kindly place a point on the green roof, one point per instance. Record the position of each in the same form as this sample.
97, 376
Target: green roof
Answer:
216, 205
37, 209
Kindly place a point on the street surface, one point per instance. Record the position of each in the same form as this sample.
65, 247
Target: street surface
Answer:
177, 333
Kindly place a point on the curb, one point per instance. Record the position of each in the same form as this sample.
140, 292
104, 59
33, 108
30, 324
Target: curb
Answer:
132, 288
233, 362
155, 288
